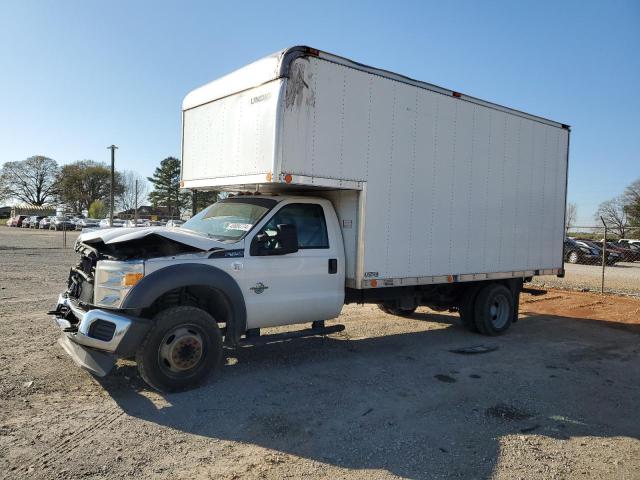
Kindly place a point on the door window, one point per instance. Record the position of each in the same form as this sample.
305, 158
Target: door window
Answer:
309, 221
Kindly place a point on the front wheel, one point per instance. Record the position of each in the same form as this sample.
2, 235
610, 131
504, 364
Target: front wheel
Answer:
573, 257
183, 348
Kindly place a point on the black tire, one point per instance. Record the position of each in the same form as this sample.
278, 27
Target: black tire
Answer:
400, 312
183, 348
573, 257
494, 309
466, 309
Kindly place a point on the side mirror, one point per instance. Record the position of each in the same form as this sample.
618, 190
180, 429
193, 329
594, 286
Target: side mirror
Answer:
287, 238
285, 241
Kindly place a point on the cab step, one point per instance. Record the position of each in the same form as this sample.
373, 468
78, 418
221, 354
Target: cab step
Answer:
253, 337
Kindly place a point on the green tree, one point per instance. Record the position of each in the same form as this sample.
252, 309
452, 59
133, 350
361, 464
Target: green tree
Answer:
204, 199
83, 182
166, 187
97, 209
32, 181
631, 199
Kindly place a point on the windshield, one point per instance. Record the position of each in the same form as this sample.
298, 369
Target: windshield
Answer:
230, 219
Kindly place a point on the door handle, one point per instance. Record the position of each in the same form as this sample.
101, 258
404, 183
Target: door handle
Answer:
333, 265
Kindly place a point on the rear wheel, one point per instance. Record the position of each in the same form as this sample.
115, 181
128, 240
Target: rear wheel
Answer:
181, 351
466, 309
494, 309
400, 312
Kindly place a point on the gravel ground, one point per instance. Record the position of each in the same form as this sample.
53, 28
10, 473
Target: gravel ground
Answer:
384, 399
623, 277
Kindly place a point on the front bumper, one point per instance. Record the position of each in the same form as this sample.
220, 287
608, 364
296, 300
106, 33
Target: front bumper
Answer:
96, 338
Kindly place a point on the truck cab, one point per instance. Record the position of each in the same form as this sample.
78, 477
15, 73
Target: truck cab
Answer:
242, 264
284, 252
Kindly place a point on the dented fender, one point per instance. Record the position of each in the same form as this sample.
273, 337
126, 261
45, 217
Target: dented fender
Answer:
162, 281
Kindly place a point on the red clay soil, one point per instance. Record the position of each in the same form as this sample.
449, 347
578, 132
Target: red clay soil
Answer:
583, 306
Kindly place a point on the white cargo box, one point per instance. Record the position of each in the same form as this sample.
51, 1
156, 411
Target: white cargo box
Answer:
430, 185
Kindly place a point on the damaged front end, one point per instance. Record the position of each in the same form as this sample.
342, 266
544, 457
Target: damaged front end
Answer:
96, 338
95, 330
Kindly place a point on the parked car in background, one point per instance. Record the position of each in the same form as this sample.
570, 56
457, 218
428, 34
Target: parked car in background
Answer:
135, 223
34, 221
174, 223
17, 220
26, 222
117, 223
614, 254
612, 257
578, 252
628, 254
62, 223
45, 223
83, 223
631, 244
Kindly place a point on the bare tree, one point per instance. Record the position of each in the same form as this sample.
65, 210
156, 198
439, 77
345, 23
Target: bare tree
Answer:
571, 215
32, 181
614, 214
130, 196
4, 192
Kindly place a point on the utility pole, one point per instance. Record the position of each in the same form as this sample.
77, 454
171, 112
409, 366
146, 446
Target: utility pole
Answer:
113, 181
194, 202
136, 206
604, 253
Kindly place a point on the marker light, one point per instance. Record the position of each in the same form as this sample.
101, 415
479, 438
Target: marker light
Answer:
130, 279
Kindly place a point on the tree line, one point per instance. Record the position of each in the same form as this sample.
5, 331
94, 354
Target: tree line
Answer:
622, 213
85, 184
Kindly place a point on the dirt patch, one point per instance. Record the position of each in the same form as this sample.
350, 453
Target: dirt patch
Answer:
583, 306
365, 403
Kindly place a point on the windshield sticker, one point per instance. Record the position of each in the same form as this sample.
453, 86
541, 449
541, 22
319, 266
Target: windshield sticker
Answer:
245, 227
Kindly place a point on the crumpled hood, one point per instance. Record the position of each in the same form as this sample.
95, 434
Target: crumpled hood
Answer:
112, 236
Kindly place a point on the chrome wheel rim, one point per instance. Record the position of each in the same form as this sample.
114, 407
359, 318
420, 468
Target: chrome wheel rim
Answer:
499, 311
573, 257
181, 349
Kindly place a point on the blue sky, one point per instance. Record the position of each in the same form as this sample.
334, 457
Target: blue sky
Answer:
76, 76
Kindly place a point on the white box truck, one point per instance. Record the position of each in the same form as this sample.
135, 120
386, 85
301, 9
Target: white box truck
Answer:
349, 184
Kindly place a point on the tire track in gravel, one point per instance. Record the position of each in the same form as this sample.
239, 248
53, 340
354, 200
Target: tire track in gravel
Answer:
75, 439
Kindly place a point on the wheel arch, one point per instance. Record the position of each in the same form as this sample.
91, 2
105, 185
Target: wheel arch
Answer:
215, 290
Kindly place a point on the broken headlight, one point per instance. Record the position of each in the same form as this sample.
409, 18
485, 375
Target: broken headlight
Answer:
113, 280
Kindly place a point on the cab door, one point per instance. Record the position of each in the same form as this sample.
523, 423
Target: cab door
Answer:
299, 287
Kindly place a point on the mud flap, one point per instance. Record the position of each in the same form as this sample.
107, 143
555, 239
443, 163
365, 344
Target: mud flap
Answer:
97, 363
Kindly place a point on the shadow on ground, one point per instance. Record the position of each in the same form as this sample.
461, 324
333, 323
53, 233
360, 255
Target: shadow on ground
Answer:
406, 404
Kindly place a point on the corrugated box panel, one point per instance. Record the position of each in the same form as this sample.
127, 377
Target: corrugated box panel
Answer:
453, 187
